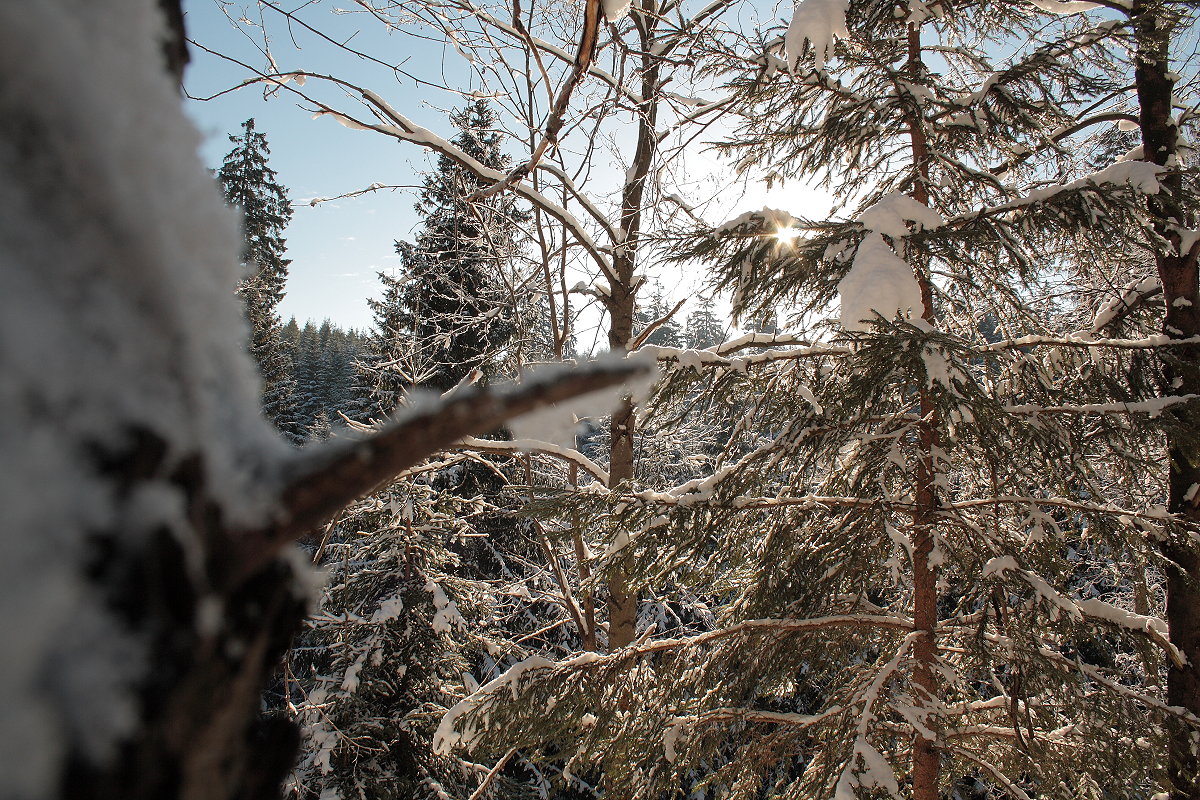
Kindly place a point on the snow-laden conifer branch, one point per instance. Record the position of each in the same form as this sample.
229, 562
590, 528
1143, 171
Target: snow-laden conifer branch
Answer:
1095, 674
712, 358
1152, 342
1153, 407
689, 499
1158, 515
323, 480
567, 454
789, 719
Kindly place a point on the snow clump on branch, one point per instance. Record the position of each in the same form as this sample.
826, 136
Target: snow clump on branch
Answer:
820, 22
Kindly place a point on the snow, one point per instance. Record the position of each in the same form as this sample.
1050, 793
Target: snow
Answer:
557, 423
388, 610
878, 281
350, 679
118, 261
772, 220
1127, 299
446, 616
1000, 565
1064, 6
819, 22
892, 213
1187, 239
614, 10
448, 738
1099, 609
671, 740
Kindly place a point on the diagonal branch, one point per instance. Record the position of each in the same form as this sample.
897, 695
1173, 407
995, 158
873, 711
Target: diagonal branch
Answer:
324, 481
588, 38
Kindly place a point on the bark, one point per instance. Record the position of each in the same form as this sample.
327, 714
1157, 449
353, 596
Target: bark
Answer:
926, 759
211, 604
1177, 271
200, 736
622, 599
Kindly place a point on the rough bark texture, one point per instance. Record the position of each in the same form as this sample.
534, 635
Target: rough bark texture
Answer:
926, 759
207, 604
1153, 26
622, 601
200, 735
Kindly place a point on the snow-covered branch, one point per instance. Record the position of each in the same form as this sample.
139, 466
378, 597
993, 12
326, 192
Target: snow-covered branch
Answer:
567, 454
322, 481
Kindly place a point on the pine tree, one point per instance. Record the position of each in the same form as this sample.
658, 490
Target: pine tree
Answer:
703, 328
926, 543
446, 313
250, 185
668, 333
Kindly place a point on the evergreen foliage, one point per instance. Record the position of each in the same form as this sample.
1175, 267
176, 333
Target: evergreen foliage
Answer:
668, 333
325, 372
448, 311
703, 328
931, 551
250, 185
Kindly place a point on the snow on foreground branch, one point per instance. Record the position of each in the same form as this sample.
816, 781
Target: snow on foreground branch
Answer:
323, 482
145, 497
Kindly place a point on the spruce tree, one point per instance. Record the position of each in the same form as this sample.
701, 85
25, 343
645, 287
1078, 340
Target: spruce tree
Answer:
668, 333
250, 185
703, 328
446, 313
925, 542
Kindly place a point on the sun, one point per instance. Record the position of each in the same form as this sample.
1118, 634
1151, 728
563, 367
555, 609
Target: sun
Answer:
786, 235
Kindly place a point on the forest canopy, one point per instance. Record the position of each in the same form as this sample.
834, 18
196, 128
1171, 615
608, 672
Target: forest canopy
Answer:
900, 500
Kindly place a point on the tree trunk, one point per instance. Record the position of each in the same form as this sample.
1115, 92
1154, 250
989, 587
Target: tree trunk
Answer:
926, 760
1153, 25
622, 601
147, 503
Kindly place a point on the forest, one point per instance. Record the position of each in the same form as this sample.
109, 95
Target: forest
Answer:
903, 502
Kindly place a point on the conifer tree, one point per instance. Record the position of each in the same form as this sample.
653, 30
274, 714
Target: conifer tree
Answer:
445, 313
921, 537
250, 185
667, 333
703, 328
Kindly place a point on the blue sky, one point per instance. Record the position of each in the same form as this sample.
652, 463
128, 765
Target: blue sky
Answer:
338, 247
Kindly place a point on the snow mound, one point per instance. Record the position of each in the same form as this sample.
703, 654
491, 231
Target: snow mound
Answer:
1064, 7
821, 23
891, 215
558, 423
614, 10
878, 281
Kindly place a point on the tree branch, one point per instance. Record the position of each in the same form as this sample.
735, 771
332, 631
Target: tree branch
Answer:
327, 479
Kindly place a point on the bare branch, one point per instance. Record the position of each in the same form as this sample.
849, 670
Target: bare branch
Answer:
655, 325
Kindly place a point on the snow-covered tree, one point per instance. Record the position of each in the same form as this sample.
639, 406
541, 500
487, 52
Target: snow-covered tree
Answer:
445, 313
927, 542
148, 504
1166, 115
703, 328
658, 313
250, 186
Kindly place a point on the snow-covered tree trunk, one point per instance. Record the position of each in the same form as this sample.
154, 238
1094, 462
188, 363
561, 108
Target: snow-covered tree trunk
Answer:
147, 504
1176, 261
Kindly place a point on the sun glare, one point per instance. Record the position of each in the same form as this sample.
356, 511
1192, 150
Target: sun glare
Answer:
787, 235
